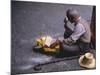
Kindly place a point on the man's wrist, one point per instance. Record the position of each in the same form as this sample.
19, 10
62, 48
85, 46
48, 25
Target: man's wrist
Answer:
65, 19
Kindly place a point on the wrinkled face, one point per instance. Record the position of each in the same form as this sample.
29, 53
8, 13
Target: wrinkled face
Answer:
70, 18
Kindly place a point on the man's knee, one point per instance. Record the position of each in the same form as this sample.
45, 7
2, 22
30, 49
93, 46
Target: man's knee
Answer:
70, 48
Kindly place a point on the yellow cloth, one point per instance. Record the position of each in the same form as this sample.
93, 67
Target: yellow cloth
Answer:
41, 42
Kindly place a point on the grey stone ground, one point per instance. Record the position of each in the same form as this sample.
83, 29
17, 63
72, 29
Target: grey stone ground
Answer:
29, 20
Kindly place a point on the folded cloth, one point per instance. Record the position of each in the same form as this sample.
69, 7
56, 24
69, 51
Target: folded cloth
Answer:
48, 43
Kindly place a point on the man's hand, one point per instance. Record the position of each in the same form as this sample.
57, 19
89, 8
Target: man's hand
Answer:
65, 19
60, 39
69, 41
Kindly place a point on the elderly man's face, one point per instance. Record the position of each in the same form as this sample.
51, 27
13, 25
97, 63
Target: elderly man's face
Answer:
70, 18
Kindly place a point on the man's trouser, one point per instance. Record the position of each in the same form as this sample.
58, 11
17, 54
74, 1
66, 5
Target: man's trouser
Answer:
74, 49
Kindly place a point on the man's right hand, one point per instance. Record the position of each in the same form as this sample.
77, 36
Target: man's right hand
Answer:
65, 19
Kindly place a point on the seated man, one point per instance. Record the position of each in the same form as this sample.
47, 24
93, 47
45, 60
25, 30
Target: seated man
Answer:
78, 40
